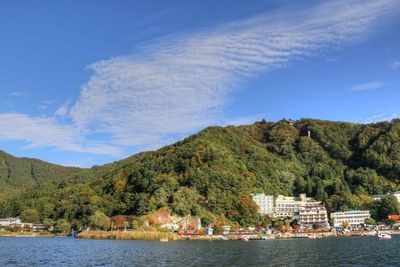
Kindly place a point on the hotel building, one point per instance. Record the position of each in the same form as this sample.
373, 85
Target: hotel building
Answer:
355, 218
290, 206
283, 206
309, 216
265, 204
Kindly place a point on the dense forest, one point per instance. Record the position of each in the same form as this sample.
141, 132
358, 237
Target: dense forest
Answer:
22, 173
212, 174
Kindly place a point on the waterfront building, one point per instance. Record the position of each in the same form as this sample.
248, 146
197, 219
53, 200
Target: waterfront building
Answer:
284, 206
39, 228
4, 222
355, 218
265, 204
209, 230
311, 215
226, 229
290, 206
395, 218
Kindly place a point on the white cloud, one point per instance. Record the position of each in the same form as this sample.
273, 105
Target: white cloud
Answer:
38, 132
176, 85
63, 110
15, 93
395, 65
18, 93
385, 116
181, 83
243, 120
368, 86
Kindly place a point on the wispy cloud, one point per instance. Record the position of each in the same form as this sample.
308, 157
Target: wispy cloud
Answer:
47, 132
368, 86
395, 65
178, 84
385, 116
243, 120
18, 93
63, 110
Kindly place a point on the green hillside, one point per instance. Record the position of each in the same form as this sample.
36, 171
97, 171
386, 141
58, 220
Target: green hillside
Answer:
213, 173
21, 173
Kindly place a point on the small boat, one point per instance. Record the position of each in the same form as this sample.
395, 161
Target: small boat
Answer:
164, 240
245, 238
384, 236
312, 236
263, 237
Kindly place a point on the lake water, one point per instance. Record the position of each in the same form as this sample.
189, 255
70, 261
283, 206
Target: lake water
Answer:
340, 251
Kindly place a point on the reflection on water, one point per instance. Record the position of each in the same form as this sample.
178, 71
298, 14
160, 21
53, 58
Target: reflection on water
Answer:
343, 251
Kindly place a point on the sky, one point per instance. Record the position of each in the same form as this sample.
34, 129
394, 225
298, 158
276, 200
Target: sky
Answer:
85, 83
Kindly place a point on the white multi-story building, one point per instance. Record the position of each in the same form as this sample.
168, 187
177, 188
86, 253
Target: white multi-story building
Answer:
265, 204
290, 206
313, 215
10, 222
355, 218
283, 206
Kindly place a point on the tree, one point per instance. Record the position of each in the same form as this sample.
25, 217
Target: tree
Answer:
48, 222
296, 227
316, 226
100, 221
388, 206
370, 221
266, 222
63, 226
126, 225
246, 212
345, 224
136, 223
30, 215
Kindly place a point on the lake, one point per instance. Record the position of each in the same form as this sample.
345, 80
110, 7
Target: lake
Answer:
339, 251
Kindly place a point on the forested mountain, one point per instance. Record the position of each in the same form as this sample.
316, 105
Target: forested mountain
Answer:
21, 173
213, 173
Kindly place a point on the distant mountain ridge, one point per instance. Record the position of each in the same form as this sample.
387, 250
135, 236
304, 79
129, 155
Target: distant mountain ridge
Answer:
212, 174
21, 173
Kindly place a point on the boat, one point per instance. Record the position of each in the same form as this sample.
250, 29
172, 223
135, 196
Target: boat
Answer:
245, 238
383, 236
264, 237
164, 240
312, 236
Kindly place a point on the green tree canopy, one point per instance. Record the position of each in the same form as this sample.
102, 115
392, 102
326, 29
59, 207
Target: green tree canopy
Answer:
100, 221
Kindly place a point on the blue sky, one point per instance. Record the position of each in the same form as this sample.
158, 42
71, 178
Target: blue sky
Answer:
90, 82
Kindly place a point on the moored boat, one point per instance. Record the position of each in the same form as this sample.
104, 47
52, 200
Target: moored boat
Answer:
244, 238
382, 236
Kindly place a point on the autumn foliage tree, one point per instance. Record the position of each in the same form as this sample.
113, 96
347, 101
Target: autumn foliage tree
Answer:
246, 212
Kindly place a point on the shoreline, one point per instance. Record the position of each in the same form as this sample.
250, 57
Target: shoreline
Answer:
153, 235
157, 236
29, 234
